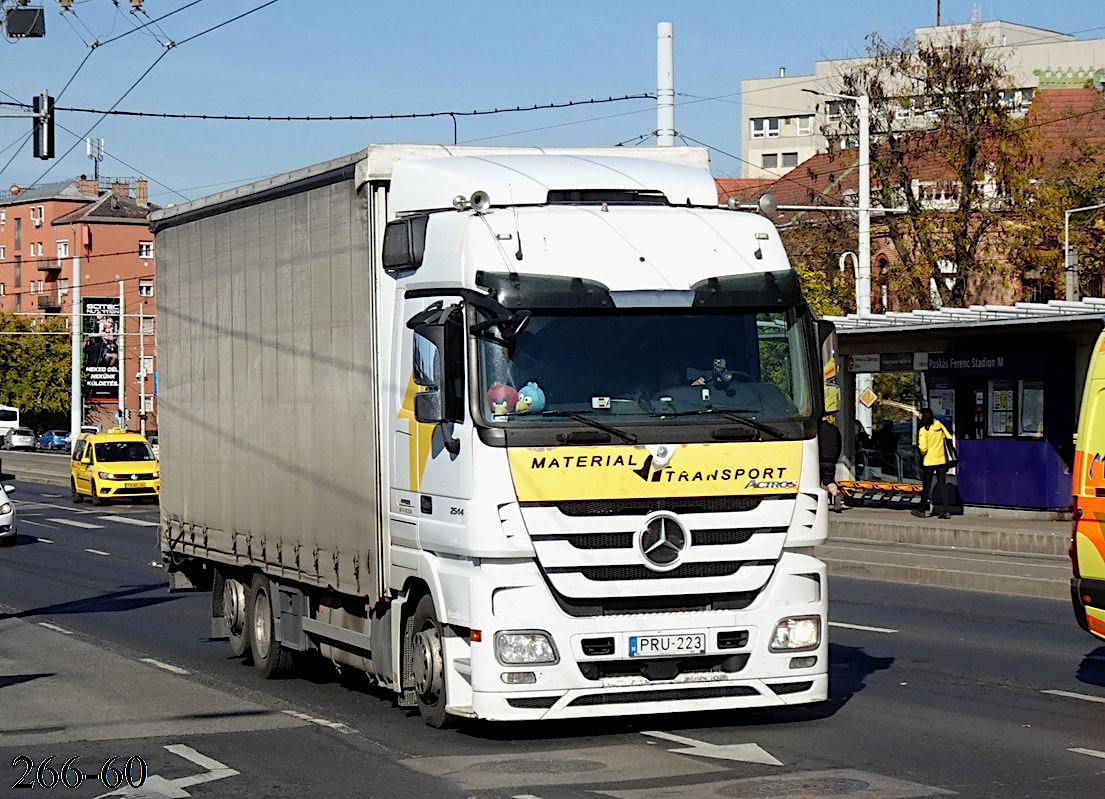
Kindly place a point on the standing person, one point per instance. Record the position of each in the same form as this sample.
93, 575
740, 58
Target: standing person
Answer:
828, 447
930, 440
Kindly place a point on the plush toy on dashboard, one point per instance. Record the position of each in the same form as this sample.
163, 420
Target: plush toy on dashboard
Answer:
501, 397
531, 399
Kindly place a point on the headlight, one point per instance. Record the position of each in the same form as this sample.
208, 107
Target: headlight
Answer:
797, 632
5, 508
524, 646
155, 475
107, 476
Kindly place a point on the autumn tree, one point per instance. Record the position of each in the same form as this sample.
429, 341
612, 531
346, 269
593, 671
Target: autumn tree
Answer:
946, 149
1066, 174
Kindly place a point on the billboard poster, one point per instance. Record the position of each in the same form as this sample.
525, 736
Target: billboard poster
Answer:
101, 321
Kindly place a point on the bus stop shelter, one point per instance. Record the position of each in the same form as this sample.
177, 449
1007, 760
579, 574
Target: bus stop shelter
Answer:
1006, 380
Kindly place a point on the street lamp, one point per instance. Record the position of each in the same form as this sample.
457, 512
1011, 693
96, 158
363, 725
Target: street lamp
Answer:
1072, 273
863, 270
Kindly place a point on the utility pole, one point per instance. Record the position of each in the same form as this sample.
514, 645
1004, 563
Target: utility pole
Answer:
76, 330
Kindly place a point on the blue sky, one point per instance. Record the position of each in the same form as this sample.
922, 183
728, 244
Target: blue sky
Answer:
360, 57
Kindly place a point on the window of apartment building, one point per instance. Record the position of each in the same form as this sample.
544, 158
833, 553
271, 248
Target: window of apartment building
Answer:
3, 291
146, 364
63, 286
3, 216
790, 159
832, 110
147, 403
39, 250
63, 248
37, 212
805, 126
19, 271
145, 249
769, 160
3, 252
765, 128
41, 283
18, 234
145, 287
145, 327
31, 287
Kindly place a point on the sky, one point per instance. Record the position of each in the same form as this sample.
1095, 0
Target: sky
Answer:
341, 58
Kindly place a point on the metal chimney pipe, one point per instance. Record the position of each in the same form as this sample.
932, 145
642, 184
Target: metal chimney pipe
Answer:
665, 85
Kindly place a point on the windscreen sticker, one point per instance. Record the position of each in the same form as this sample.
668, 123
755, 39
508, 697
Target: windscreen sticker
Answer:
693, 470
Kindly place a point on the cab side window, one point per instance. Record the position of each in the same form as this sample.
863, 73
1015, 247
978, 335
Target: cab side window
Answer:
77, 450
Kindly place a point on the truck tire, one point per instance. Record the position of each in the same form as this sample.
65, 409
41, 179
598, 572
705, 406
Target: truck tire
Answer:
234, 612
77, 498
428, 652
95, 497
269, 657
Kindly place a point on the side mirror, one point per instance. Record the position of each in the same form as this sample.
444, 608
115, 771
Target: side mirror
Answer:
428, 408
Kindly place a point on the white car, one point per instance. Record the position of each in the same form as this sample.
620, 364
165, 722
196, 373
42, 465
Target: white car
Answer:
7, 516
19, 438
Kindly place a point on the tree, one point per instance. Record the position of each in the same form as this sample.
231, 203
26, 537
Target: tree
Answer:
1069, 173
814, 243
35, 369
947, 149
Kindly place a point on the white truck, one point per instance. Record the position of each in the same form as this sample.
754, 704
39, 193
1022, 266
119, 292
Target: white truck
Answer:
521, 433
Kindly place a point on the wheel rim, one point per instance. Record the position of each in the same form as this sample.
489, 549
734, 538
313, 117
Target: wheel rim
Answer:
428, 671
261, 614
234, 606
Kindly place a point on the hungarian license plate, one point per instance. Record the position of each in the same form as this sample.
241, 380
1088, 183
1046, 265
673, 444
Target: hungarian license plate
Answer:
135, 485
664, 645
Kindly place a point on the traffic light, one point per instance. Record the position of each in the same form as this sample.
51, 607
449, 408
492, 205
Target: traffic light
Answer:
44, 126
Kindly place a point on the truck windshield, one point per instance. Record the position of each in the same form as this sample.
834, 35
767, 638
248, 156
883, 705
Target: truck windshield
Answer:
123, 451
649, 364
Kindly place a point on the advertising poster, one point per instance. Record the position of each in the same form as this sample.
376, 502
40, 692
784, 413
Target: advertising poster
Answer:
101, 321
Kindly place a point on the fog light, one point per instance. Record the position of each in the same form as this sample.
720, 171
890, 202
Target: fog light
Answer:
797, 632
518, 677
6, 508
804, 662
524, 646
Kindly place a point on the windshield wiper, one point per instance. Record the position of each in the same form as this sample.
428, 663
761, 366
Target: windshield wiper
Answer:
736, 414
628, 438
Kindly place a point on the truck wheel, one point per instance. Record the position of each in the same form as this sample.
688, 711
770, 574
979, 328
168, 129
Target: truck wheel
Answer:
77, 498
234, 612
429, 662
95, 497
269, 657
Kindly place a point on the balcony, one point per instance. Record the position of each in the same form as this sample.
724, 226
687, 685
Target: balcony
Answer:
49, 303
49, 265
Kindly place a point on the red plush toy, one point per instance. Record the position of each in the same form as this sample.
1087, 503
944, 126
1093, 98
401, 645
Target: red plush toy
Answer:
501, 397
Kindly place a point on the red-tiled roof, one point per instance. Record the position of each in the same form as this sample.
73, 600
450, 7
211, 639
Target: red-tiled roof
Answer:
741, 188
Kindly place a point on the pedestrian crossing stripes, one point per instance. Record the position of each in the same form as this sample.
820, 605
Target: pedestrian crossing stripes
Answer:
129, 520
75, 523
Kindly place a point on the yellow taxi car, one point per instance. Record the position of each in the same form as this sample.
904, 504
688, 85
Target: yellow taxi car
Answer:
113, 465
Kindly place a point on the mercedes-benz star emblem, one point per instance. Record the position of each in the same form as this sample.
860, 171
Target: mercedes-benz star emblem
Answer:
663, 541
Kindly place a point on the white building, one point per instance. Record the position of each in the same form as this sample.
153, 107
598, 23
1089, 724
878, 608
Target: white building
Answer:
781, 124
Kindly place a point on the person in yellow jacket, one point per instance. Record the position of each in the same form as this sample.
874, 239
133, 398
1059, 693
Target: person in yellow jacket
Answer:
934, 466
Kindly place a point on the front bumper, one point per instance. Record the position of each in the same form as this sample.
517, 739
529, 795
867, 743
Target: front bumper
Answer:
736, 670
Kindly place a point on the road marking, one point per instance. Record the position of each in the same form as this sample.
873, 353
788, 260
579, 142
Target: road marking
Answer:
55, 628
1090, 752
1072, 695
749, 753
129, 520
98, 552
75, 523
161, 788
863, 627
345, 729
43, 540
166, 666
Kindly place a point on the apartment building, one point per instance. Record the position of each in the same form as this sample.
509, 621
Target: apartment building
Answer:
102, 228
783, 123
